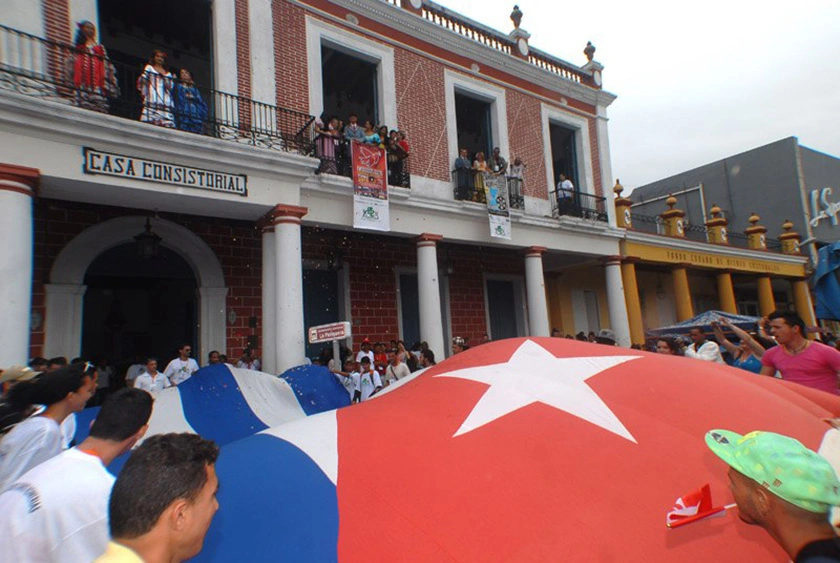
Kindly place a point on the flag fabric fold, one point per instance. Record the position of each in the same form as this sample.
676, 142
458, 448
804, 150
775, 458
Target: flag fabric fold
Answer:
692, 507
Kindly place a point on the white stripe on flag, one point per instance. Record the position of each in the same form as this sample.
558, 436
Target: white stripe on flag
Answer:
270, 398
317, 437
168, 414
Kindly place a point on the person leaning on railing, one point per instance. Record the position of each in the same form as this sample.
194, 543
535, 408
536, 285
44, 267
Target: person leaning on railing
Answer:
156, 85
516, 177
190, 108
463, 176
89, 72
565, 195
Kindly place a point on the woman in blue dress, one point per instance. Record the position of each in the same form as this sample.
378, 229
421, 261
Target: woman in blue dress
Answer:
190, 109
747, 354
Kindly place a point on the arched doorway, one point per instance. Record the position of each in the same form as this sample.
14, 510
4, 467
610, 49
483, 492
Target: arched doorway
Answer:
136, 307
65, 294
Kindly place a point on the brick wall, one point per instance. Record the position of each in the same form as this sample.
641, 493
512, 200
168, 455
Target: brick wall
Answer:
290, 56
236, 243
57, 20
596, 156
526, 140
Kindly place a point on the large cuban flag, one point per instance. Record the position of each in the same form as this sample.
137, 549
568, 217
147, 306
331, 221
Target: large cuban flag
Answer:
520, 450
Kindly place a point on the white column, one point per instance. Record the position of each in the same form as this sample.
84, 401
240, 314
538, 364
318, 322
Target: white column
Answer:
16, 232
269, 300
535, 291
212, 321
604, 160
290, 344
615, 301
428, 285
63, 321
263, 79
224, 46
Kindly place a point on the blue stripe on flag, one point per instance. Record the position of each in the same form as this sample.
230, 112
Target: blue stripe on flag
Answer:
275, 504
316, 388
215, 408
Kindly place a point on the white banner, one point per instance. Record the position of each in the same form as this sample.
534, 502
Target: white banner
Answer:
498, 205
370, 188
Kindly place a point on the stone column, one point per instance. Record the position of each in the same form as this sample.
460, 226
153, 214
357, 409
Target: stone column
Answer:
428, 286
682, 292
535, 292
17, 188
634, 304
290, 345
766, 301
269, 300
802, 303
616, 304
726, 293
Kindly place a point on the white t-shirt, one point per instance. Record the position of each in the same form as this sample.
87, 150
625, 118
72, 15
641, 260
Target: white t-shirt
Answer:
708, 351
134, 370
153, 385
565, 189
394, 373
30, 443
178, 370
253, 365
348, 382
362, 354
367, 383
58, 511
68, 430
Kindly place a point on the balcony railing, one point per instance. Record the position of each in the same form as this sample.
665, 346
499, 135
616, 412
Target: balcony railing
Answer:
335, 159
699, 233
467, 186
41, 68
497, 40
579, 204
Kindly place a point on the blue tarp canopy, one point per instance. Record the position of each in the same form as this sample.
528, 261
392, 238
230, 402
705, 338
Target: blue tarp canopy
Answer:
826, 285
704, 321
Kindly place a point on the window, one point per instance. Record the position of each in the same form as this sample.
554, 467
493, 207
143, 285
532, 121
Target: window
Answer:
563, 154
130, 32
473, 121
409, 308
349, 85
504, 302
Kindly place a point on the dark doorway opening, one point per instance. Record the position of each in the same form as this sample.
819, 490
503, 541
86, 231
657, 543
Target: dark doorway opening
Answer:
138, 308
564, 154
472, 116
320, 304
131, 30
410, 308
349, 86
501, 301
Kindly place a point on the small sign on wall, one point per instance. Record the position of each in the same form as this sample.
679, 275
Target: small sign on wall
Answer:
123, 166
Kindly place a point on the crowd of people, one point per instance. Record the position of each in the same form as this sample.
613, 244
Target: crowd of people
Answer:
471, 176
333, 138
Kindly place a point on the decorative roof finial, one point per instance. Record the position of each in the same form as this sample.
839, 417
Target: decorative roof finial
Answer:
589, 51
516, 16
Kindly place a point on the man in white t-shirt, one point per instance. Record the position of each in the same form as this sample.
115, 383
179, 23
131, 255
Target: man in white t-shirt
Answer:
152, 381
396, 369
58, 511
367, 381
181, 368
348, 377
365, 352
38, 438
702, 349
565, 195
133, 371
249, 361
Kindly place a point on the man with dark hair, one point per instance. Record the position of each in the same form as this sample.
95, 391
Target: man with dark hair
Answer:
427, 358
57, 363
798, 359
213, 358
702, 349
785, 488
181, 368
164, 500
39, 438
58, 511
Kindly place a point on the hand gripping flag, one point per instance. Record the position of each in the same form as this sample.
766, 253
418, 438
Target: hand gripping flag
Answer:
693, 506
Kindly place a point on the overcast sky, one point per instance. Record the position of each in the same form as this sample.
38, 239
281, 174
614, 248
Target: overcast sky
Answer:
695, 83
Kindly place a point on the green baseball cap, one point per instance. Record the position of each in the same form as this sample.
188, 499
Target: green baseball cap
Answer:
781, 465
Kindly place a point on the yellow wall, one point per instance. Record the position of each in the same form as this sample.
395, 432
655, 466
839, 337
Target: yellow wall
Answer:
653, 287
559, 289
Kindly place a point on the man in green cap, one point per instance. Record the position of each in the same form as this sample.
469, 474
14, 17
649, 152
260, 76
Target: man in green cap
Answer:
785, 488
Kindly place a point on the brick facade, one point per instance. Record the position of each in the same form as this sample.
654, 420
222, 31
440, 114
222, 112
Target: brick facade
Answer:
290, 64
57, 21
526, 140
237, 244
596, 156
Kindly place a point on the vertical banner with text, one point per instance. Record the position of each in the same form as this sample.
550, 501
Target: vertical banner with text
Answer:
370, 188
497, 205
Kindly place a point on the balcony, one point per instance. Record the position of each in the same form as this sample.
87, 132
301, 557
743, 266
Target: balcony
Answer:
466, 187
57, 72
699, 233
336, 161
572, 203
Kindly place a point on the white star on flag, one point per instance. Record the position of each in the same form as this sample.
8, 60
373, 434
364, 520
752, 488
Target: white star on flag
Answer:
535, 375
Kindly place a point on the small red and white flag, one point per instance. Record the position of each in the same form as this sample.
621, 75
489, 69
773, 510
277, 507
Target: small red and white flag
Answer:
694, 506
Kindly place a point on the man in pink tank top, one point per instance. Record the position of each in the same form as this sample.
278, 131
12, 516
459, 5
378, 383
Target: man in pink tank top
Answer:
798, 359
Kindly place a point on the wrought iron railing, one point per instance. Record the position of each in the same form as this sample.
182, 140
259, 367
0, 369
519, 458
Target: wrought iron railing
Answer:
334, 154
467, 185
699, 233
42, 68
578, 204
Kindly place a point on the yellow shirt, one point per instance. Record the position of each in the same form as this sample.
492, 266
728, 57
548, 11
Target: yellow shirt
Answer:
117, 553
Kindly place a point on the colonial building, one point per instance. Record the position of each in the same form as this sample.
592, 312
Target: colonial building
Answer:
126, 235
